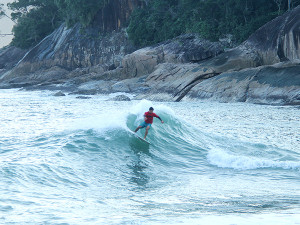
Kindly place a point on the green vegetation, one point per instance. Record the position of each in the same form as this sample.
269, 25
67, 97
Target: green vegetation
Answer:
35, 19
82, 11
157, 21
211, 19
2, 13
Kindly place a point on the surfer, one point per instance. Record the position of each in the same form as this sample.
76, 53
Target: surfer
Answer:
148, 117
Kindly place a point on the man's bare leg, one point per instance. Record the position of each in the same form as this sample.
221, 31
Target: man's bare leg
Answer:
146, 132
139, 127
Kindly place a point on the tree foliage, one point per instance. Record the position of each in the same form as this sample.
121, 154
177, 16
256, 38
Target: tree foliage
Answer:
2, 12
35, 19
211, 19
82, 11
159, 20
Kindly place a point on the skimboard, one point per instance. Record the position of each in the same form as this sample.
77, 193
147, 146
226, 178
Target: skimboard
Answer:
142, 139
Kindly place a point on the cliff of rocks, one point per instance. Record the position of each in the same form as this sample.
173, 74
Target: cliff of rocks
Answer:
103, 44
73, 48
263, 69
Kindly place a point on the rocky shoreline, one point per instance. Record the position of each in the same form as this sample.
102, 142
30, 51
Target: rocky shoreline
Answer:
265, 69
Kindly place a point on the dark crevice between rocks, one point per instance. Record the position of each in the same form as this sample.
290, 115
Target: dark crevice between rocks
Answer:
203, 59
167, 75
246, 95
183, 92
280, 41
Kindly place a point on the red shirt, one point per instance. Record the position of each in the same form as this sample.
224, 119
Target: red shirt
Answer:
149, 117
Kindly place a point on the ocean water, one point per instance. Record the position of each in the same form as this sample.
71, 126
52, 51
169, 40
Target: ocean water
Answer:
73, 161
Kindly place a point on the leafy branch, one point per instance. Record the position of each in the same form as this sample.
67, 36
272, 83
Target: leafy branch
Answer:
3, 13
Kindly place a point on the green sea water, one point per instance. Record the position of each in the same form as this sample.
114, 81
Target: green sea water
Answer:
74, 161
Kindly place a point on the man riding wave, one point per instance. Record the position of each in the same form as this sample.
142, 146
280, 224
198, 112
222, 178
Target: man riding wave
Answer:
148, 120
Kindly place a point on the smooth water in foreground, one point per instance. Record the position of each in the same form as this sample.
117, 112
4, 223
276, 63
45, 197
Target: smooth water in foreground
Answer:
73, 161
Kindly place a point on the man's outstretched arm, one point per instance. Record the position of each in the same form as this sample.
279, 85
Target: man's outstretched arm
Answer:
159, 118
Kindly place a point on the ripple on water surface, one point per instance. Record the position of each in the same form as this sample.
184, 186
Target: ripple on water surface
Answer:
71, 161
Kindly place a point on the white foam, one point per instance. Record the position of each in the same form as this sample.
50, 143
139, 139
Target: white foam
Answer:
223, 159
101, 122
112, 95
114, 119
165, 109
291, 218
141, 107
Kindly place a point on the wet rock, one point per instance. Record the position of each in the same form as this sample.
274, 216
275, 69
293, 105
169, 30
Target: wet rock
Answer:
120, 87
58, 94
120, 98
85, 92
83, 97
95, 87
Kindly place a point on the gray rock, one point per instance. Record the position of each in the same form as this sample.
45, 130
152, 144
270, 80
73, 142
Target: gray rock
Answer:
183, 49
278, 40
72, 49
120, 86
9, 57
277, 84
95, 87
120, 98
83, 97
58, 94
190, 48
85, 92
132, 85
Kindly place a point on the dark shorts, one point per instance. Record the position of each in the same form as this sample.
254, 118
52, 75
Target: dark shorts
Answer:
144, 124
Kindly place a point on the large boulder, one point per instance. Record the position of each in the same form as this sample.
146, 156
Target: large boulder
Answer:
9, 57
278, 40
71, 49
277, 84
59, 94
120, 98
183, 49
273, 84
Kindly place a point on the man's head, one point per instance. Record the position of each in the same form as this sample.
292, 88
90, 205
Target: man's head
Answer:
151, 109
